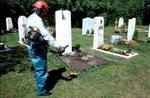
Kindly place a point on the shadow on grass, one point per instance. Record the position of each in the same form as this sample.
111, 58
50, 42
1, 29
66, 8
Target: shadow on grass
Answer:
14, 60
54, 76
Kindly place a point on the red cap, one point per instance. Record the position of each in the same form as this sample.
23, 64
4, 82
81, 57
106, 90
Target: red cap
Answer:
42, 5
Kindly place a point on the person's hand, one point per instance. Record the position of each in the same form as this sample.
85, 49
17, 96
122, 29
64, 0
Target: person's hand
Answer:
61, 49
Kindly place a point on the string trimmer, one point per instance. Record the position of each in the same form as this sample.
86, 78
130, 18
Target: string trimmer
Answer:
58, 53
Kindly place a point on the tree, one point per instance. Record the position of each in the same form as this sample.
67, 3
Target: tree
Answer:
110, 9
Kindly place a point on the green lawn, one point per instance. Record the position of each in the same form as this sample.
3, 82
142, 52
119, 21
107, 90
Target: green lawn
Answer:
121, 78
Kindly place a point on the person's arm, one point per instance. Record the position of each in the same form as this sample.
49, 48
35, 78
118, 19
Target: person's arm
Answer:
47, 35
52, 41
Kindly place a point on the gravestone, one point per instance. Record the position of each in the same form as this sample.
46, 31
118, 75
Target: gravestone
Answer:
116, 24
131, 28
121, 22
63, 29
98, 38
115, 39
87, 26
9, 24
22, 28
149, 31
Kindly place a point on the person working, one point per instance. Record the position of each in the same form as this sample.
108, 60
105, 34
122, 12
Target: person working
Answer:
39, 44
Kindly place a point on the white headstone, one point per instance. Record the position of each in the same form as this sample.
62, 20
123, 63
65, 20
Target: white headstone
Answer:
98, 39
131, 28
121, 22
63, 29
9, 24
22, 28
87, 25
149, 31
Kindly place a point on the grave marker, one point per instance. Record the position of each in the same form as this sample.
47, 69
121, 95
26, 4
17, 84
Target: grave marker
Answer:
87, 26
98, 38
121, 22
131, 28
9, 24
115, 39
63, 29
22, 28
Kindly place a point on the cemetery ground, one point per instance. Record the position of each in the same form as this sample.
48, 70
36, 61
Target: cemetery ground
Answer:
119, 78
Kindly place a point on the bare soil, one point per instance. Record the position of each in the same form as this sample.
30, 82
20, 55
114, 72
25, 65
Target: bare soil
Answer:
82, 61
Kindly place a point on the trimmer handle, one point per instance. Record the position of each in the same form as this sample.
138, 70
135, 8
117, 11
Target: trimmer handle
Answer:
62, 49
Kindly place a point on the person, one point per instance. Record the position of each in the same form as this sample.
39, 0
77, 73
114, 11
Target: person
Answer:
38, 49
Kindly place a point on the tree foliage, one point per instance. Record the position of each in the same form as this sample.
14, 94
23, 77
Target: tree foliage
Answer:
110, 9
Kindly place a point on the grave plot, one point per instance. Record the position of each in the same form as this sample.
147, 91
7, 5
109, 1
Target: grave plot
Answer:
77, 61
98, 39
82, 61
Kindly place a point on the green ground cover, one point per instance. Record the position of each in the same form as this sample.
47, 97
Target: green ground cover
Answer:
121, 78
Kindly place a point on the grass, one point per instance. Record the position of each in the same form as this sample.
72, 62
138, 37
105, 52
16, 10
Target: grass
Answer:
121, 78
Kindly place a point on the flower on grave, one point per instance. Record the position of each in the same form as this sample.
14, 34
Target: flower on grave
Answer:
84, 58
87, 57
140, 29
129, 44
106, 47
121, 29
117, 30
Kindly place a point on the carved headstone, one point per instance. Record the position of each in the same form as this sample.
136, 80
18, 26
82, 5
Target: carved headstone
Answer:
63, 29
131, 28
87, 26
22, 28
9, 24
98, 39
121, 22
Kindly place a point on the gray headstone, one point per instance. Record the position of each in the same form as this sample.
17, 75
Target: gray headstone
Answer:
131, 28
115, 39
98, 38
63, 29
9, 24
87, 25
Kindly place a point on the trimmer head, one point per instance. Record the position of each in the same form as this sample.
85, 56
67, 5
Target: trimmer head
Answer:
73, 74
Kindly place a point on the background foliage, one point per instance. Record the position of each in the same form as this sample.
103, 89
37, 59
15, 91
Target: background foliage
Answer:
110, 9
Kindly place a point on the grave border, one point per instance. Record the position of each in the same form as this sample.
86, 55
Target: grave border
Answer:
116, 54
